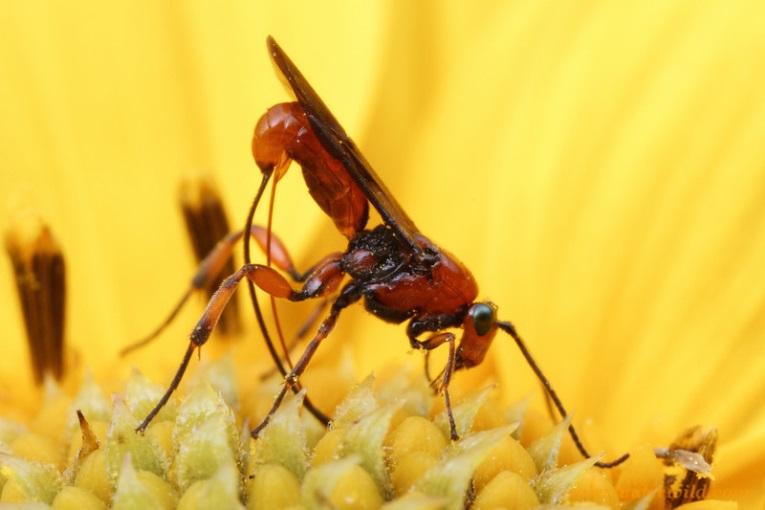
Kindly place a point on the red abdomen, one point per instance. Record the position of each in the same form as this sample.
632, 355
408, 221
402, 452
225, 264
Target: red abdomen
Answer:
284, 133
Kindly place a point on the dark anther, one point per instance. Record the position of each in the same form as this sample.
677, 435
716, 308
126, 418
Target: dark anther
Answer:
206, 224
38, 265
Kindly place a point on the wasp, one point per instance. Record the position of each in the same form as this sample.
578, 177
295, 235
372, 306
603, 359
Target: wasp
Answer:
396, 270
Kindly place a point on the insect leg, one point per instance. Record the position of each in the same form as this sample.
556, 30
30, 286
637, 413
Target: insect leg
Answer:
199, 336
428, 376
429, 344
325, 279
349, 295
450, 365
210, 267
267, 279
302, 332
418, 326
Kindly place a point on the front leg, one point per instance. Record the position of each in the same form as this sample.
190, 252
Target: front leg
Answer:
430, 324
324, 280
428, 345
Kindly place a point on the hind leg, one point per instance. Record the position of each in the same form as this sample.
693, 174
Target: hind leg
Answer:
211, 266
325, 279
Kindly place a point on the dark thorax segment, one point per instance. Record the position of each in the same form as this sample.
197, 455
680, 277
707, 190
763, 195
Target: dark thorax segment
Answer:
375, 256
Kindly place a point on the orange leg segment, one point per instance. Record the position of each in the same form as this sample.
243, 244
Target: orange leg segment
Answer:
210, 267
324, 279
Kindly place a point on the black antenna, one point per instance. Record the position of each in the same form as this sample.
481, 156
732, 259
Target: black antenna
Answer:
508, 328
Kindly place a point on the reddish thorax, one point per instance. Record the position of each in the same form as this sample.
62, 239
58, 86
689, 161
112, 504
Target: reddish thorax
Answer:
446, 288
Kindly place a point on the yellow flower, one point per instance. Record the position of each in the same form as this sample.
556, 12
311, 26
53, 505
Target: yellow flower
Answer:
597, 165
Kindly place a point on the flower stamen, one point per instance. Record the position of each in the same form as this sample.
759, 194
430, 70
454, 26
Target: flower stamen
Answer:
206, 224
40, 273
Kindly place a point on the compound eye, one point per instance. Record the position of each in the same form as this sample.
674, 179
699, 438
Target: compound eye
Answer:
483, 318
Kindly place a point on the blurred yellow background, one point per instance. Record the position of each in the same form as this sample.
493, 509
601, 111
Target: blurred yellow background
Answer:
599, 166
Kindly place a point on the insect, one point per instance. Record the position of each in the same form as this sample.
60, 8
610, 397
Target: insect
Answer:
399, 274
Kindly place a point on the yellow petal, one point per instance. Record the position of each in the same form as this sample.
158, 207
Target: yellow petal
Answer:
598, 166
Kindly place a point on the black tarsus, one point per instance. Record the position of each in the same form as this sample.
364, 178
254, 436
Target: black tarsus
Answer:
508, 328
448, 372
170, 389
349, 295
